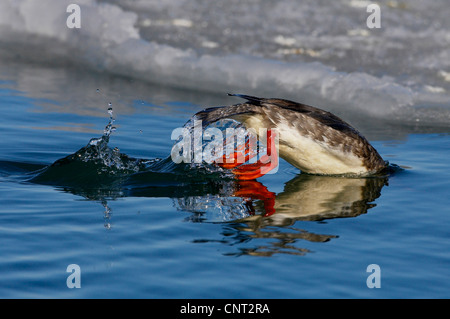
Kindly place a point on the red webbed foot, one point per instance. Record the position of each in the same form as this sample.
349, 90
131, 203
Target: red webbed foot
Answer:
257, 191
242, 154
265, 163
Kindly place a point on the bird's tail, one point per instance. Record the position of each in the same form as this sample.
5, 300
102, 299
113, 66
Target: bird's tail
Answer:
251, 99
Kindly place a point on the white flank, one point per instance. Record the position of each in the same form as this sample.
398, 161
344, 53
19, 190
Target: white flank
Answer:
310, 156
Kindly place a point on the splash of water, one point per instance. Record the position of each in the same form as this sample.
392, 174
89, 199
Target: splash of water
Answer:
99, 166
109, 160
98, 171
214, 208
201, 156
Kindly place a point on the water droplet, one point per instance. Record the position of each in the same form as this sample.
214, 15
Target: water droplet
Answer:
94, 141
110, 112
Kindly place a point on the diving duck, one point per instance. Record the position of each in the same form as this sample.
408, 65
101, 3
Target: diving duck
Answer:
311, 139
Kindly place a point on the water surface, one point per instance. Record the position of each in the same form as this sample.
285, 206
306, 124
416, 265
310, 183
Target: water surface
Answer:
169, 237
139, 226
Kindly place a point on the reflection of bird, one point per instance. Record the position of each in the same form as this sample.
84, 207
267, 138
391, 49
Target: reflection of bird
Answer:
313, 140
310, 197
306, 197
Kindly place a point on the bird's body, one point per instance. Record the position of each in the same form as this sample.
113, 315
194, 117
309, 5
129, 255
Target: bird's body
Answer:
311, 139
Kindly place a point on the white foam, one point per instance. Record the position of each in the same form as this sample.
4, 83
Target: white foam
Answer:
223, 49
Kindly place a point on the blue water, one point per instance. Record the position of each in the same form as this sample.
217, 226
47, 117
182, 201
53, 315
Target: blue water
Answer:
152, 241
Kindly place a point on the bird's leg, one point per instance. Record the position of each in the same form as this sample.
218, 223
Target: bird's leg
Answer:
256, 190
242, 154
265, 163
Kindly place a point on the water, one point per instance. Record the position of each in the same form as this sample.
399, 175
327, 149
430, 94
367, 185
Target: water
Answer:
139, 226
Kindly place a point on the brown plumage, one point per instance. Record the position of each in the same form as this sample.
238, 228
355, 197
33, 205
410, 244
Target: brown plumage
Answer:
314, 140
